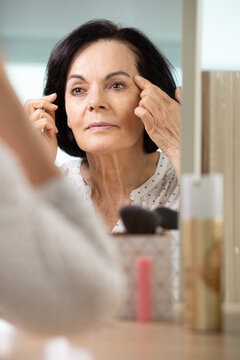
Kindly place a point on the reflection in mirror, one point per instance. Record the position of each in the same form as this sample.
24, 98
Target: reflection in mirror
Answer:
95, 108
28, 39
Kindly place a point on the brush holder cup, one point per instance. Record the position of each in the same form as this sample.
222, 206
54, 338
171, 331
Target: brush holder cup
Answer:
163, 251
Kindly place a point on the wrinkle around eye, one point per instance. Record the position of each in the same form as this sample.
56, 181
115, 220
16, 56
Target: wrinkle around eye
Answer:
117, 85
75, 91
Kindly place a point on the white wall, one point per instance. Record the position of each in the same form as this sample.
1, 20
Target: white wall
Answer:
221, 35
27, 80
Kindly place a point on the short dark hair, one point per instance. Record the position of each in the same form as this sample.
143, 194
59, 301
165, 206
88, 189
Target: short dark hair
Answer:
151, 64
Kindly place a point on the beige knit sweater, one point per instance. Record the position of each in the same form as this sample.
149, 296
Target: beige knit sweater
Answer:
59, 272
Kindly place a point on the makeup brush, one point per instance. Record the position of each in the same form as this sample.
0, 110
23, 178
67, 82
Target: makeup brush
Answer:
138, 220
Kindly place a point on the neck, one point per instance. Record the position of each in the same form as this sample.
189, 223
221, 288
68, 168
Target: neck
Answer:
118, 174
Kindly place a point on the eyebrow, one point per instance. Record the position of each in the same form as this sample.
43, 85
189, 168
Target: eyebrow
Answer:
108, 76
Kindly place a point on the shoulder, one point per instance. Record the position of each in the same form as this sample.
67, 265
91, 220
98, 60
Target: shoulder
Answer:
72, 171
165, 168
164, 162
71, 167
167, 190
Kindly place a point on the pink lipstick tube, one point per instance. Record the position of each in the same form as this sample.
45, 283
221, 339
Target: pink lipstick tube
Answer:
144, 274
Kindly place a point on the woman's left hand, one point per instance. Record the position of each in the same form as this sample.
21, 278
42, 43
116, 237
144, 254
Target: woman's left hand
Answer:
161, 116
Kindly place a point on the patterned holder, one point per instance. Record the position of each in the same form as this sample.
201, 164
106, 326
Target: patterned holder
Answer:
163, 250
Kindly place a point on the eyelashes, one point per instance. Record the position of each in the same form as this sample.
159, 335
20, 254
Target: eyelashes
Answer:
77, 91
116, 86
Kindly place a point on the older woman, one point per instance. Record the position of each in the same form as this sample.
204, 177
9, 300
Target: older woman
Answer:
111, 100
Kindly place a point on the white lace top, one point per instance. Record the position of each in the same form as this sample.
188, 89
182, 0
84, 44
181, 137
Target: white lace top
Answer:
161, 189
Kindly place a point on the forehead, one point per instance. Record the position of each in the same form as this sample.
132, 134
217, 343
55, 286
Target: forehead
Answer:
104, 56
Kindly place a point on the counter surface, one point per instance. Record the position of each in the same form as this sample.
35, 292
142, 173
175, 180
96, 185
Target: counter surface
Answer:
122, 340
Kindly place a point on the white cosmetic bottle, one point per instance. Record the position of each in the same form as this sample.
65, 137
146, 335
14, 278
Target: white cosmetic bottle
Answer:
202, 229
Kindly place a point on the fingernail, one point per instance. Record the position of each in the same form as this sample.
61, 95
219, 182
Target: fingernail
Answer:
138, 77
51, 94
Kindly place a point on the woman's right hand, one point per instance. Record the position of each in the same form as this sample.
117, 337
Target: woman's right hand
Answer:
42, 115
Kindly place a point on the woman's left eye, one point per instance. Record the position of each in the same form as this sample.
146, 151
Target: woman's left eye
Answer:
117, 86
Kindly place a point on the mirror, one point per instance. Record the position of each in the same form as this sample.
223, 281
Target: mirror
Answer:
28, 32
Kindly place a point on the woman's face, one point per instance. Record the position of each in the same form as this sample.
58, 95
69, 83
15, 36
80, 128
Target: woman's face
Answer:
101, 97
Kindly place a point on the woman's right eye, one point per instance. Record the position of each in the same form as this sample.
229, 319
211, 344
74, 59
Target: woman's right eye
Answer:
77, 91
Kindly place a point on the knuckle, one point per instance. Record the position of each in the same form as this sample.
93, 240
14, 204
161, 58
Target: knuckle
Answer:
38, 112
45, 122
144, 114
145, 92
32, 118
49, 117
149, 88
149, 91
37, 125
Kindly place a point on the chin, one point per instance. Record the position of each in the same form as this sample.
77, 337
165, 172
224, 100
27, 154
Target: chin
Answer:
97, 148
106, 146
100, 150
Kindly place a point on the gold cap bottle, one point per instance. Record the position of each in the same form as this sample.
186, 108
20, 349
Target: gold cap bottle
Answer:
202, 229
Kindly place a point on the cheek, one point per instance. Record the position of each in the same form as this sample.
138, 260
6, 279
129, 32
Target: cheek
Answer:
68, 111
135, 125
130, 102
128, 110
73, 112
131, 124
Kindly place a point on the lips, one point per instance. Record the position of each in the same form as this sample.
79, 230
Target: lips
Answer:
100, 126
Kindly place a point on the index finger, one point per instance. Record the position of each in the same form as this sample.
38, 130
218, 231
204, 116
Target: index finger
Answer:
145, 84
45, 103
141, 82
47, 107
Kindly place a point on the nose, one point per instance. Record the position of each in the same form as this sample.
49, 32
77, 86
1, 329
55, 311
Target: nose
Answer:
95, 107
97, 101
